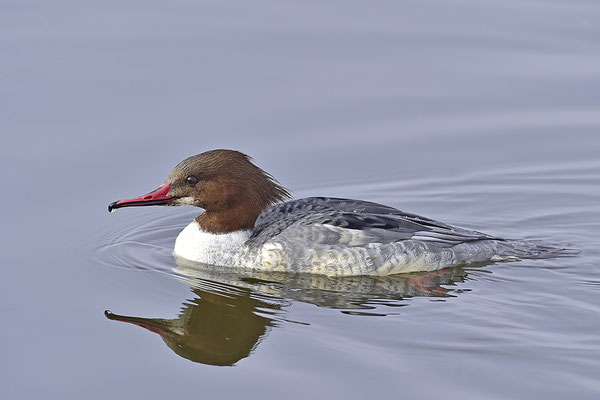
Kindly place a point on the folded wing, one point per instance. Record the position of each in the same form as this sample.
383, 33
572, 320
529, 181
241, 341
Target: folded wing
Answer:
354, 223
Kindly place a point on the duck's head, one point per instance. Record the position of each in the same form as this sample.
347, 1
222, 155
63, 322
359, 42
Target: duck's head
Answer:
225, 183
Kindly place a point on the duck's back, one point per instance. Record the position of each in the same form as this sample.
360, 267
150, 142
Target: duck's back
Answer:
341, 237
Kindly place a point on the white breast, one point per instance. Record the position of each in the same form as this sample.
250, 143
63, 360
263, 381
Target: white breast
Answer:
198, 245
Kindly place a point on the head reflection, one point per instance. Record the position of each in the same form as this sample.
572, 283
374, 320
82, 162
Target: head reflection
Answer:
229, 315
213, 328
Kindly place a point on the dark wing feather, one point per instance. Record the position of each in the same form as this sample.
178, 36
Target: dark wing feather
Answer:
359, 215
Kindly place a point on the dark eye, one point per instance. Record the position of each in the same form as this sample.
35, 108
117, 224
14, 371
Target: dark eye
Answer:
191, 180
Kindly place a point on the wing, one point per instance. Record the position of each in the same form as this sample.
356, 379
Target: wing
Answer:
355, 222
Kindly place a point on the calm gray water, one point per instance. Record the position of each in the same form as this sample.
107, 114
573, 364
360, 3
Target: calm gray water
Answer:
484, 114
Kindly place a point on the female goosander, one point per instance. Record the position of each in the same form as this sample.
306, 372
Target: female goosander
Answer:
247, 224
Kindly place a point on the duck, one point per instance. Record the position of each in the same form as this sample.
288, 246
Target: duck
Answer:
249, 222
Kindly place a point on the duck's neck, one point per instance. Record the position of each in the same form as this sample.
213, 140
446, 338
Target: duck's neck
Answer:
238, 218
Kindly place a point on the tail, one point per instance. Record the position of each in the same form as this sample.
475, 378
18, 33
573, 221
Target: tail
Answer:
534, 249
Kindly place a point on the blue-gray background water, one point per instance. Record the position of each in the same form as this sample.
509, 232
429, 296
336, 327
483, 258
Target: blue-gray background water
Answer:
484, 114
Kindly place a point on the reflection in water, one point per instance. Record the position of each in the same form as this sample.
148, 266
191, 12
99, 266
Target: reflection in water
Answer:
216, 328
354, 292
230, 314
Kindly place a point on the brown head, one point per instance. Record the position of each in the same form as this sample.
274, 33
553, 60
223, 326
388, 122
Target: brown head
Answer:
225, 183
